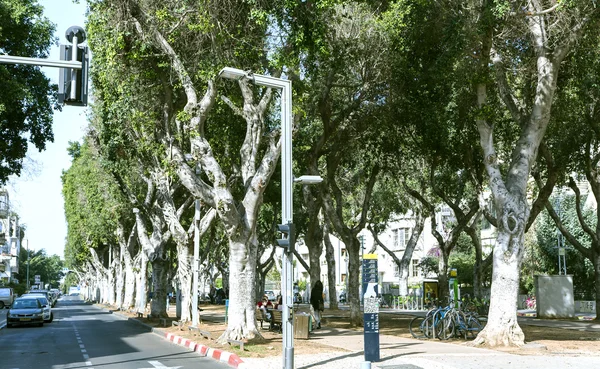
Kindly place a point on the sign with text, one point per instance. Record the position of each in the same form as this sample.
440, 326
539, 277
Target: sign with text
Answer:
370, 290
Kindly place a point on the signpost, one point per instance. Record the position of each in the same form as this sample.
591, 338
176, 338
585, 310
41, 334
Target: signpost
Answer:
370, 290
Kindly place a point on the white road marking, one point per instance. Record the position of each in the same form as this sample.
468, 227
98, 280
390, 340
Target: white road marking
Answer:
159, 365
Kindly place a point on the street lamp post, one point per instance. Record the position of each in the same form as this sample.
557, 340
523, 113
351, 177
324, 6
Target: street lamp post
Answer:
286, 199
27, 264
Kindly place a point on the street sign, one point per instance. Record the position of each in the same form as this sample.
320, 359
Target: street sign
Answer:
370, 290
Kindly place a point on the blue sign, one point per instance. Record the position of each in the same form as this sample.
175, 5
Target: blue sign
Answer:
370, 290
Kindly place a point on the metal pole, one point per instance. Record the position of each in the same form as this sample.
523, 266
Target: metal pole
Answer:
287, 217
27, 263
195, 267
9, 59
74, 71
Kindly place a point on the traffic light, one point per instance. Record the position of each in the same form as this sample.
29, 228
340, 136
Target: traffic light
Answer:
287, 242
66, 95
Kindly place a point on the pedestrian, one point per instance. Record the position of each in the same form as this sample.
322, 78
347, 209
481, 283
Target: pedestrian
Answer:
317, 304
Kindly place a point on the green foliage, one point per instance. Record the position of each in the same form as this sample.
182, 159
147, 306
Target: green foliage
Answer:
429, 266
302, 284
546, 253
49, 268
93, 205
26, 95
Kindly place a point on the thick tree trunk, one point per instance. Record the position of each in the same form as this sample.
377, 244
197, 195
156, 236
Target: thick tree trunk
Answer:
331, 275
502, 328
184, 276
120, 280
444, 292
130, 277
158, 306
141, 295
241, 322
354, 288
313, 239
403, 277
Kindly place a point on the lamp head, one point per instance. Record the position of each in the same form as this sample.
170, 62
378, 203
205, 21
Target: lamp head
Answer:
308, 179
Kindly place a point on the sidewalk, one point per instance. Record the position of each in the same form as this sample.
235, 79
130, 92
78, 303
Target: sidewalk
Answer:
404, 353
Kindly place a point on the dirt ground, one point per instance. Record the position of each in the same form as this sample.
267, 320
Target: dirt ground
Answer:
556, 340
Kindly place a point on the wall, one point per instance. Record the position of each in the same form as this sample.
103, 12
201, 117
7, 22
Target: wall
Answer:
554, 296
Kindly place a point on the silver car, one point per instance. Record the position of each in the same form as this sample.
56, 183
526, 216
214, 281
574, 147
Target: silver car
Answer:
46, 306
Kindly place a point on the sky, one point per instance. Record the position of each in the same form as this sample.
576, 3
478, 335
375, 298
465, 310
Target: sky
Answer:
37, 194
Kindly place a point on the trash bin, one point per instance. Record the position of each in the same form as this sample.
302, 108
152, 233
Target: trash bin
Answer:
302, 323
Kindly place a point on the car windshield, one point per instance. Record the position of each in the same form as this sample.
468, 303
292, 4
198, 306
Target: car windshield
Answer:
25, 304
42, 300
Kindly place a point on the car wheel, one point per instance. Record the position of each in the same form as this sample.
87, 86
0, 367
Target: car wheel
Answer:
1, 304
8, 325
41, 324
51, 318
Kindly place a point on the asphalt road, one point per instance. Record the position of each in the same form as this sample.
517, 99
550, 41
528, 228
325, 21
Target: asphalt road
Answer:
84, 336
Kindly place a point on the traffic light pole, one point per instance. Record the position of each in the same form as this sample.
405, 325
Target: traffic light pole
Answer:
75, 69
287, 179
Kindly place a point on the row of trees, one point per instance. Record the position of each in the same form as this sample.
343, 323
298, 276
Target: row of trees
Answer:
402, 106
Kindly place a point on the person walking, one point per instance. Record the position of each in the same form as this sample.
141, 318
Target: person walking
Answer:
317, 305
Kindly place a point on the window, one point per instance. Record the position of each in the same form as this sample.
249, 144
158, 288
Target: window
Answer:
415, 268
396, 271
400, 238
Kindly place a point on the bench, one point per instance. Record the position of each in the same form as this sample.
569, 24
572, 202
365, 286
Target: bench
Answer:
177, 323
196, 330
163, 321
275, 320
261, 316
236, 342
140, 315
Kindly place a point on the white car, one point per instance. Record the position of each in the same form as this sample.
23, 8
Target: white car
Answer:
46, 306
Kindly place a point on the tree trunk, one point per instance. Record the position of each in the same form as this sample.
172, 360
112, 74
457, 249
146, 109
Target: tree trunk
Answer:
158, 306
185, 278
241, 322
502, 328
120, 279
130, 278
403, 277
331, 275
141, 295
443, 295
354, 288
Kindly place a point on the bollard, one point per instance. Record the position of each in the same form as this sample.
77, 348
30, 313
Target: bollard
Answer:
226, 308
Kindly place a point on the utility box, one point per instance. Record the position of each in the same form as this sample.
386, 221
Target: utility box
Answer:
554, 296
302, 324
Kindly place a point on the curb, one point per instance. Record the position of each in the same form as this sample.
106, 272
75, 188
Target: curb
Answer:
229, 358
223, 356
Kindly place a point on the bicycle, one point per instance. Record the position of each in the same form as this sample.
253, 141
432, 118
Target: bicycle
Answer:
424, 327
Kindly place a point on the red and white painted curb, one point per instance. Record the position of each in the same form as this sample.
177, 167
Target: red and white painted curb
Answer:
220, 355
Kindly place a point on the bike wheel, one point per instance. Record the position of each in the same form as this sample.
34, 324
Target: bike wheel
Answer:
474, 326
444, 328
416, 327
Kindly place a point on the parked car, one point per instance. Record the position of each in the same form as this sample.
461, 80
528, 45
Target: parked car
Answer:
271, 295
25, 311
46, 306
47, 294
7, 297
